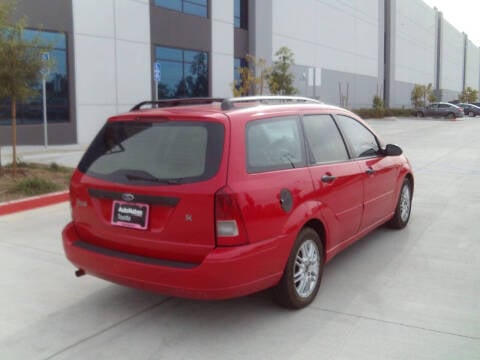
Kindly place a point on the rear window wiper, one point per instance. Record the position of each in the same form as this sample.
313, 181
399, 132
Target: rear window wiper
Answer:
154, 179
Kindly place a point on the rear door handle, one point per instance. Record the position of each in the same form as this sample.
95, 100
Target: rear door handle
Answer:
328, 178
370, 171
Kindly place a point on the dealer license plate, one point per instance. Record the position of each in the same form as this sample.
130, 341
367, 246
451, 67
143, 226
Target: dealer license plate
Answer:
131, 215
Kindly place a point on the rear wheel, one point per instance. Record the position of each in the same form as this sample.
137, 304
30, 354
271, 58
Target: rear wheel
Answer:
404, 207
302, 275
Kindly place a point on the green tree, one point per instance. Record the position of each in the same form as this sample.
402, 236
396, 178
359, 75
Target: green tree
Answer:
252, 77
468, 95
280, 79
421, 94
378, 106
20, 65
4, 13
377, 102
427, 93
417, 95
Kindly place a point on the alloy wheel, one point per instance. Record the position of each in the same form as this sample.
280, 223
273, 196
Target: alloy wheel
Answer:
306, 268
405, 203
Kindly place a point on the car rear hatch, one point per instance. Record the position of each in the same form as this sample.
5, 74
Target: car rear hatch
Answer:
146, 187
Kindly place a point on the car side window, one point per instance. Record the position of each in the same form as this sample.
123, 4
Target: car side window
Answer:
363, 141
274, 144
324, 140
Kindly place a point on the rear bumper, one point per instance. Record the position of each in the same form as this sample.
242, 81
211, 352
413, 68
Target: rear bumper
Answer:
224, 273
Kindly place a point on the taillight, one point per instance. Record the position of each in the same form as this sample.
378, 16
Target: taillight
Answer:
72, 201
229, 224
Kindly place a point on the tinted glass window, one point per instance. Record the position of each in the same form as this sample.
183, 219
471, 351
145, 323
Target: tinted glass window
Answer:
184, 73
56, 84
193, 7
155, 152
274, 144
362, 141
240, 14
238, 63
324, 139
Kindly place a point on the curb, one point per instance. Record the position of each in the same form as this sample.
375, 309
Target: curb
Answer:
33, 202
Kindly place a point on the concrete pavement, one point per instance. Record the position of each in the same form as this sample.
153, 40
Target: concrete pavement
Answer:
410, 294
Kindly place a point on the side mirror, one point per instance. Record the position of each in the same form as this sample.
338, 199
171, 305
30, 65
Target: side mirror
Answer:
392, 150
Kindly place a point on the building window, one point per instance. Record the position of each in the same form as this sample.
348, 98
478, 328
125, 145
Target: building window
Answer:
192, 7
184, 73
58, 108
240, 14
238, 63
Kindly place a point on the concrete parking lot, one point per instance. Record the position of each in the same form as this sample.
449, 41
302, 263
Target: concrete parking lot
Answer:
410, 294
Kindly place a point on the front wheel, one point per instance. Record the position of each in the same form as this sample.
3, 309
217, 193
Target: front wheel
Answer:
404, 206
303, 273
451, 116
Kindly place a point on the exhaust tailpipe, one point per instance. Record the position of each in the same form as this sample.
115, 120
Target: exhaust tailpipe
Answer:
79, 272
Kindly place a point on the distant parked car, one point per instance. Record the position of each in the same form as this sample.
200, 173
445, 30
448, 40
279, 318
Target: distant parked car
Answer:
470, 109
440, 109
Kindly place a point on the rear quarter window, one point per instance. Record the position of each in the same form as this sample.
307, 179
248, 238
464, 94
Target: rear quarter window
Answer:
274, 144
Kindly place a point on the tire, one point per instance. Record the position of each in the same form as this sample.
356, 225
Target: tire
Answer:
303, 273
420, 114
404, 207
471, 114
450, 116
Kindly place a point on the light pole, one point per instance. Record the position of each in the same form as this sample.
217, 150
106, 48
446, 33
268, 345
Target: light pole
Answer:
305, 77
45, 72
157, 75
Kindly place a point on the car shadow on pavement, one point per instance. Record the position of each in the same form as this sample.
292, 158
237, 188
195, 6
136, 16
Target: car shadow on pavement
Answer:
118, 315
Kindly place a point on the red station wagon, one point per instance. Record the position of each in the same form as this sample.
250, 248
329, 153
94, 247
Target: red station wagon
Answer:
214, 199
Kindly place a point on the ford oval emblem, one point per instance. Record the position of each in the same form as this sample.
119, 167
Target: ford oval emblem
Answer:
128, 197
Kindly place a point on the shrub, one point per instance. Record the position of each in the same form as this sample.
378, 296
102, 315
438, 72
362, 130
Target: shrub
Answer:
377, 102
34, 186
382, 112
54, 167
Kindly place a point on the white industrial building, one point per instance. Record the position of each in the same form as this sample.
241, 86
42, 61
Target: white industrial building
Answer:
346, 52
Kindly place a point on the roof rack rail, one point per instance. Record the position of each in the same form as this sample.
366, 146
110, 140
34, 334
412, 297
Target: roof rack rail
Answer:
175, 102
229, 104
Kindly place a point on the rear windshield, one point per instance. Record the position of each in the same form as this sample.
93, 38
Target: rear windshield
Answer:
157, 152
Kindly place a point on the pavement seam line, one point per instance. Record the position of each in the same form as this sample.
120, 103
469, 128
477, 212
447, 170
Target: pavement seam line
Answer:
23, 246
81, 341
398, 323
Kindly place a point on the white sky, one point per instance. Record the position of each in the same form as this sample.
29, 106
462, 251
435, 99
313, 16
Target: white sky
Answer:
463, 14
